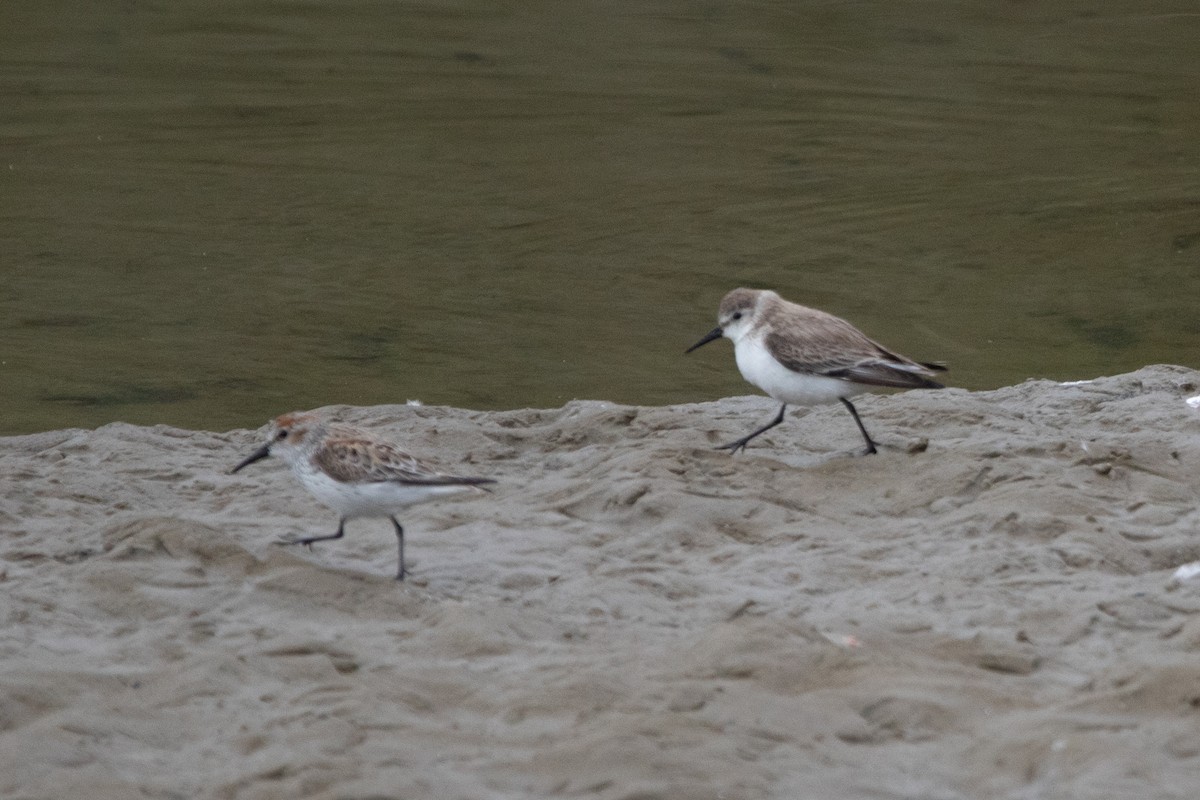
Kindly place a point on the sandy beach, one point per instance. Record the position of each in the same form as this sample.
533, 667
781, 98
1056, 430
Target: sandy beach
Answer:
985, 609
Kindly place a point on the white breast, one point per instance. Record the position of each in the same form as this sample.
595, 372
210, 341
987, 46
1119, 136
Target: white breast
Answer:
760, 368
352, 500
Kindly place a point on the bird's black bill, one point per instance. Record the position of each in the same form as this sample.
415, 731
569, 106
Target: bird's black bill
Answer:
715, 333
257, 455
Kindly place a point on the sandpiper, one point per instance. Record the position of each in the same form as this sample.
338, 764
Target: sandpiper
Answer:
354, 472
802, 356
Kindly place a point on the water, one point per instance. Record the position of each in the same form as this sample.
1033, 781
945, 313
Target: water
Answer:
214, 212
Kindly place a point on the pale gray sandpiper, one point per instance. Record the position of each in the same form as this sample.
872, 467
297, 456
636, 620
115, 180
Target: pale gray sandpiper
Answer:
803, 356
354, 472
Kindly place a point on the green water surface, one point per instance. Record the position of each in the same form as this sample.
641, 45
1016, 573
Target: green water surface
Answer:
212, 211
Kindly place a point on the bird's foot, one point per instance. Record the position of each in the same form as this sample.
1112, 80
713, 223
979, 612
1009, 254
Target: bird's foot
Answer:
734, 447
294, 539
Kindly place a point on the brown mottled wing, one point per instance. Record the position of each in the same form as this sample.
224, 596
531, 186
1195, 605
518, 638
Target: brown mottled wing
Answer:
360, 459
834, 348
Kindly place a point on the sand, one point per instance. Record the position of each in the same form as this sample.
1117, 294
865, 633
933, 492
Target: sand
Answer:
984, 610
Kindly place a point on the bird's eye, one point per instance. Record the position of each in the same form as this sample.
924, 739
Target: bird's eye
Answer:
737, 315
281, 435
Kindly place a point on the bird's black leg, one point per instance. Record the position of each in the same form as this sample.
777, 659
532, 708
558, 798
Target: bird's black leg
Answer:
740, 444
867, 436
401, 572
308, 541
